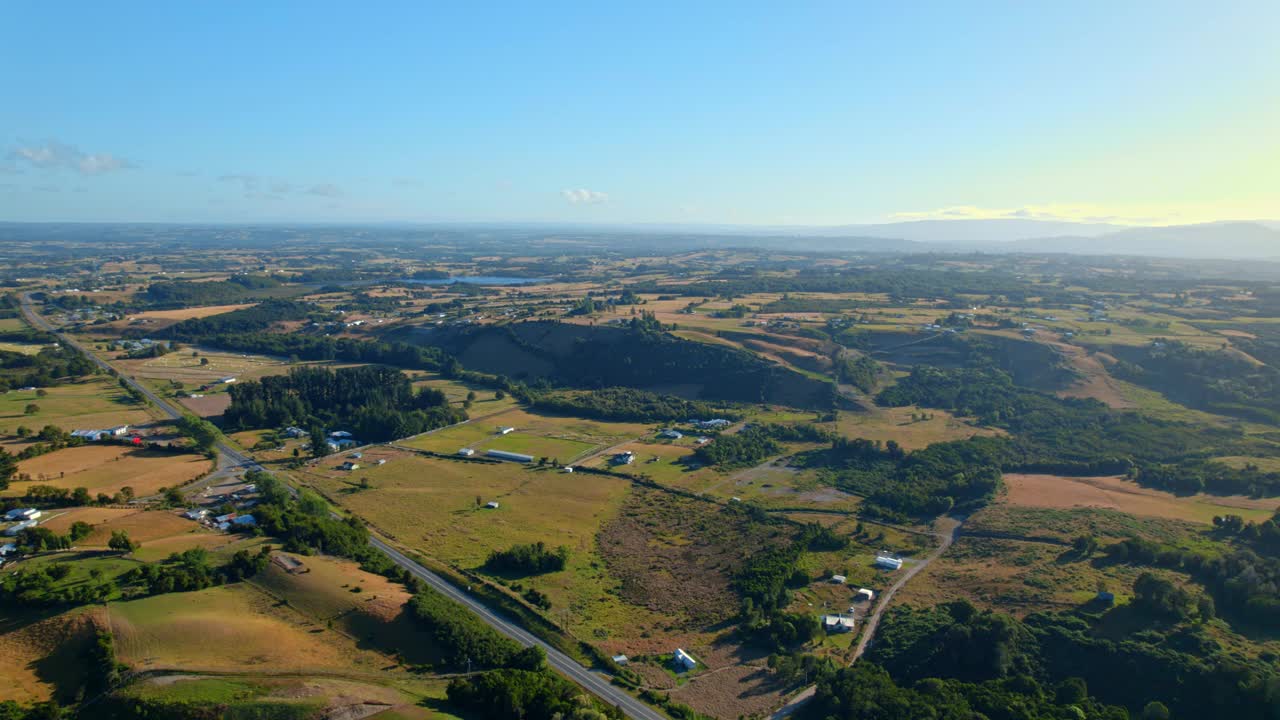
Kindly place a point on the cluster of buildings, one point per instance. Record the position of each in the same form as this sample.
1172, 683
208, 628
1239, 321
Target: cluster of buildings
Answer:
96, 435
22, 519
337, 440
139, 345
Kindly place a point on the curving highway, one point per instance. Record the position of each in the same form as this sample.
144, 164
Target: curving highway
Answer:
596, 683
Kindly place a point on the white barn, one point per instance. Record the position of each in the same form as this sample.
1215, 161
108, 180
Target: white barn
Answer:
887, 561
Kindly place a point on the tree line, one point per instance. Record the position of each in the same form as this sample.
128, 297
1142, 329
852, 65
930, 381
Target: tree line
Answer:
376, 403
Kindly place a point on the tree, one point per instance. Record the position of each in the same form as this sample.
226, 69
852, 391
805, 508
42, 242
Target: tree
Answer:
312, 504
499, 395
319, 442
8, 466
203, 433
31, 409
173, 497
121, 543
127, 493
80, 496
1155, 710
204, 361
471, 395
42, 392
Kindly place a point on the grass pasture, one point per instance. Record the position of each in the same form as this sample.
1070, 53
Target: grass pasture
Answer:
230, 628
430, 503
456, 391
189, 313
89, 404
885, 424
367, 608
22, 348
286, 698
182, 367
539, 446
1117, 493
537, 434
40, 654
107, 468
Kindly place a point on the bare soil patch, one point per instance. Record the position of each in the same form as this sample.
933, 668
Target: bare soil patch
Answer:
1117, 493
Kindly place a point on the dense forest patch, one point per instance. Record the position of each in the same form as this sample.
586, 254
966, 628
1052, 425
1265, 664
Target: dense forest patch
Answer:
594, 357
375, 403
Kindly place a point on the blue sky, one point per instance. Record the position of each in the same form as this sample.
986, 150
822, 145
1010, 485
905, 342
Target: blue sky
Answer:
761, 113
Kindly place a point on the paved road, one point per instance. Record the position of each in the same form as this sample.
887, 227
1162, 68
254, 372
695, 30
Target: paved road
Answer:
594, 682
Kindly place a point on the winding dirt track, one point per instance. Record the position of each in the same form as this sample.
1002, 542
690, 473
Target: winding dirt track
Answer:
949, 529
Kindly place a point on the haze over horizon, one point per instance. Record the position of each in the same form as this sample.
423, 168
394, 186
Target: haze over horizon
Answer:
1128, 114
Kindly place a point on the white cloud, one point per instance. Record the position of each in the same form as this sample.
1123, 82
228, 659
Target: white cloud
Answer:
248, 182
582, 196
325, 190
1067, 213
53, 155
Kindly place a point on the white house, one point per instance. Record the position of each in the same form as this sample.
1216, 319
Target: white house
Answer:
294, 432
568, 468
23, 514
350, 466
339, 434
624, 458
8, 549
683, 661
888, 562
838, 623
492, 505
227, 380
466, 452
671, 434
506, 430
195, 514
118, 431
381, 461
864, 595
838, 579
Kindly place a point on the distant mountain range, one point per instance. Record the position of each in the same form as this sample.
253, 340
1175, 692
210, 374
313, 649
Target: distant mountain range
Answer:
1229, 240
1257, 240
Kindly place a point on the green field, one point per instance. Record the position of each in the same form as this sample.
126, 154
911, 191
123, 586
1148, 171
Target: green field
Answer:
539, 446
23, 348
230, 628
89, 404
430, 505
451, 439
537, 434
